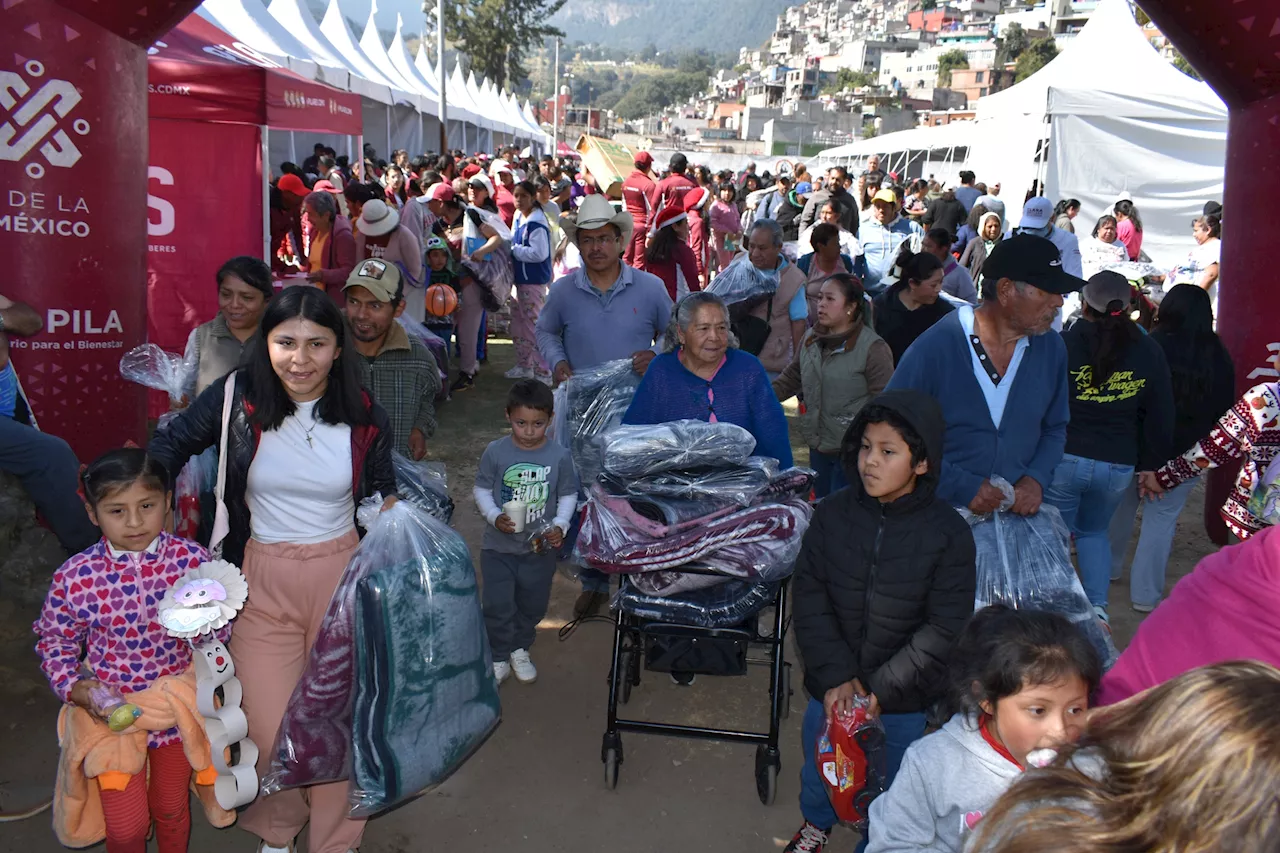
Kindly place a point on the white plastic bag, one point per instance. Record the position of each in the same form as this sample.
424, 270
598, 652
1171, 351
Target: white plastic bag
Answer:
153, 367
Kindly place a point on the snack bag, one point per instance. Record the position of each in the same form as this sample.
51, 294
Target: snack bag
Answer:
851, 762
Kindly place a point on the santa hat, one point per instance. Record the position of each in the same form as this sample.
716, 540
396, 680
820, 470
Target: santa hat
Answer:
667, 216
471, 169
696, 198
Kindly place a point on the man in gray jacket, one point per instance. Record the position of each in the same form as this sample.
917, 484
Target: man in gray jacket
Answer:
834, 191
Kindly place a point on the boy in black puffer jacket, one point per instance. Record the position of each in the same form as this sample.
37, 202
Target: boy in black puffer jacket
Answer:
883, 586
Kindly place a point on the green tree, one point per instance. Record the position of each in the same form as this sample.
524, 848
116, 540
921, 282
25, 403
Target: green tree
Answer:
1039, 54
928, 5
948, 62
741, 68
1180, 62
497, 34
1010, 44
849, 78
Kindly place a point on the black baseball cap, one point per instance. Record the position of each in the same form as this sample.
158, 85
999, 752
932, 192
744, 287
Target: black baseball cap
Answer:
1035, 260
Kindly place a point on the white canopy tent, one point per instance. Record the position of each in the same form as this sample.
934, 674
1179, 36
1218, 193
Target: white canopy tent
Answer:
249, 22
406, 124
459, 116
399, 57
300, 24
924, 151
1120, 122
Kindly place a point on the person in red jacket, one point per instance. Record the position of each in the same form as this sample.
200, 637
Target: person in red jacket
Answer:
695, 202
672, 188
640, 195
669, 256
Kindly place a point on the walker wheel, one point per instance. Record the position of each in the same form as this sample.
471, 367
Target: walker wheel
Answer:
611, 762
768, 762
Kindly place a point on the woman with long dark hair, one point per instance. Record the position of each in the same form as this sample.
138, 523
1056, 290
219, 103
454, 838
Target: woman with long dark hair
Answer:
304, 445
1129, 228
841, 364
910, 307
1064, 211
1203, 388
1121, 420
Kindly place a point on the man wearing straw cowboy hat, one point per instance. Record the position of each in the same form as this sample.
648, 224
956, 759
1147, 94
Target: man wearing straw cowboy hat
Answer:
603, 311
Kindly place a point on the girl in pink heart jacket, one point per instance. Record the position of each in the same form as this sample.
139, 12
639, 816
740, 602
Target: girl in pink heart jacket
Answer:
102, 607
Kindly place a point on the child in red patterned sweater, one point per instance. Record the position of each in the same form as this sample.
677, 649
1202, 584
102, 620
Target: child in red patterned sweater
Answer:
102, 605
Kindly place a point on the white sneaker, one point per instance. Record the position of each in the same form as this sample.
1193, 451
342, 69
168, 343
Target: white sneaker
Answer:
264, 847
518, 372
526, 672
501, 671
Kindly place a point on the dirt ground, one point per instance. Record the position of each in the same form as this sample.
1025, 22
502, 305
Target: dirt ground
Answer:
538, 784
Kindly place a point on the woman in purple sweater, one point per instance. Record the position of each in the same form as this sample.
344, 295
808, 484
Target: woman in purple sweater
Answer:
705, 380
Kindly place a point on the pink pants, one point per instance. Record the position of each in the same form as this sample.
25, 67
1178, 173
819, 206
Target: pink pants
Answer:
469, 314
524, 321
289, 590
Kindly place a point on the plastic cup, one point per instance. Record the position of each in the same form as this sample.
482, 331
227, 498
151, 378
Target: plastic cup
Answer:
517, 511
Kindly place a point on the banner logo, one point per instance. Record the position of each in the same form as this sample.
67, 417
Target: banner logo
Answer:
36, 120
299, 100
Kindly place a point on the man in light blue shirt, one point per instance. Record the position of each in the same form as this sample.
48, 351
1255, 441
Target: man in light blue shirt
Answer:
882, 237
605, 309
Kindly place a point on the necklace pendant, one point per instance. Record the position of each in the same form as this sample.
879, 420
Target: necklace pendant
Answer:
309, 443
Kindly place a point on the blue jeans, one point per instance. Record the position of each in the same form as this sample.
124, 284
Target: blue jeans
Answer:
830, 472
1159, 520
1087, 492
901, 730
49, 471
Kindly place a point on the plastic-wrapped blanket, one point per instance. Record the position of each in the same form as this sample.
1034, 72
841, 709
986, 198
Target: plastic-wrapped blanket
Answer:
313, 743
743, 483
770, 560
721, 606
153, 367
1025, 562
598, 397
741, 281
425, 485
638, 451
610, 542
424, 698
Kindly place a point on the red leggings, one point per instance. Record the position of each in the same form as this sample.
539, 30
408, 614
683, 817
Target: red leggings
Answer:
165, 798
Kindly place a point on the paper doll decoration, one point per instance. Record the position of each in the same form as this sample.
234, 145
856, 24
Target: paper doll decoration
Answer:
218, 697
198, 604
203, 600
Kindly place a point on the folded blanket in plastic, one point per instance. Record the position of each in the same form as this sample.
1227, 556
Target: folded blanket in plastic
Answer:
609, 541
1025, 562
596, 399
730, 603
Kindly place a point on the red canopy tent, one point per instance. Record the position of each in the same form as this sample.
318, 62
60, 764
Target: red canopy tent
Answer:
212, 102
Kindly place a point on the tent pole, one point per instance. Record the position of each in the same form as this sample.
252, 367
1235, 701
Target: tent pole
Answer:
444, 109
387, 153
266, 194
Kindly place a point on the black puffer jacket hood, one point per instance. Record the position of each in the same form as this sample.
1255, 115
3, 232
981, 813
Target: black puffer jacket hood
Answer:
881, 591
924, 415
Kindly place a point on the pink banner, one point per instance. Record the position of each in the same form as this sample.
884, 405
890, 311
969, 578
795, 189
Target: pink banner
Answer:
73, 131
204, 199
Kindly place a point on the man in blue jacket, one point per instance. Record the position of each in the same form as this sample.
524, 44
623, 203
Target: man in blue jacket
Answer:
1000, 373
882, 236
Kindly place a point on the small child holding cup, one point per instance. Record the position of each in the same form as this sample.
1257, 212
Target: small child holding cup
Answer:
523, 484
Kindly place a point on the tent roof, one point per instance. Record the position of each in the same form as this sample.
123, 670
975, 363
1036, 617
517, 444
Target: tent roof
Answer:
458, 85
300, 23
371, 44
399, 56
201, 72
458, 111
335, 29
261, 33
1110, 69
953, 135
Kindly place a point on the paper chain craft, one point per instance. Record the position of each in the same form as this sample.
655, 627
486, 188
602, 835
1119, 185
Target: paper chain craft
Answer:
199, 603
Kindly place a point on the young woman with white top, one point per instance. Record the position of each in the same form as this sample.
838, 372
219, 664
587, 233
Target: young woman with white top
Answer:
305, 444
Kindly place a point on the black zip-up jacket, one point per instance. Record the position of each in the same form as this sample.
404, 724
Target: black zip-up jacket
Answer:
200, 427
881, 591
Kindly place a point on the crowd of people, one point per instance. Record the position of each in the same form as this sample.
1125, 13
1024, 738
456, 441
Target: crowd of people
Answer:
928, 342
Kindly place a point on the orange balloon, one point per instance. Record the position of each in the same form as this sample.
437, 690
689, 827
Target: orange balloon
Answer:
441, 300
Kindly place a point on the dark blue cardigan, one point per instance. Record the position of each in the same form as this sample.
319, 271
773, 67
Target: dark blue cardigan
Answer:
743, 396
1032, 433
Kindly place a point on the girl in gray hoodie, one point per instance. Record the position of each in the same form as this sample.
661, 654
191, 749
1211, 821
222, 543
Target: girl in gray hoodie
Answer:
1021, 684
